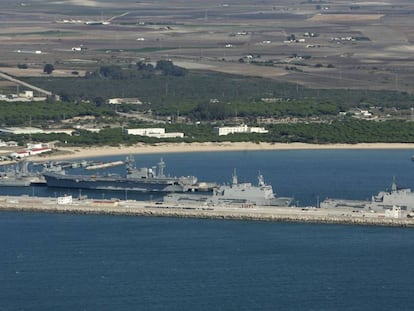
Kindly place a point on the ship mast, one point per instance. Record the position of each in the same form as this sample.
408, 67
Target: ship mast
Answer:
261, 180
161, 166
394, 184
234, 181
129, 163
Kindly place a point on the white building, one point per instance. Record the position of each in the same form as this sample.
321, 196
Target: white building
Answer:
226, 130
9, 143
19, 154
67, 199
29, 152
36, 151
361, 113
119, 101
31, 146
154, 132
27, 94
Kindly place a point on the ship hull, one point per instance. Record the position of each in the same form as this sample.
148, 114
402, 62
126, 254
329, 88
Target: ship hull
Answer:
15, 183
384, 200
112, 183
214, 200
21, 182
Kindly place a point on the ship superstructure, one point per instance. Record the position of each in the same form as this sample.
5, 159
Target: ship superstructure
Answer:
385, 200
245, 194
19, 175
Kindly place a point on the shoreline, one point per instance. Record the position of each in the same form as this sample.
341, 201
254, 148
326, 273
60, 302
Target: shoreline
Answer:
64, 153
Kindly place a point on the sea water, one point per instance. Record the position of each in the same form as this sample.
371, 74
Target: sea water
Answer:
309, 176
85, 262
96, 262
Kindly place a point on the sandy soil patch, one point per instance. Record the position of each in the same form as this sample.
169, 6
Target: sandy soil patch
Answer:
372, 3
90, 3
248, 70
192, 65
345, 17
38, 72
402, 48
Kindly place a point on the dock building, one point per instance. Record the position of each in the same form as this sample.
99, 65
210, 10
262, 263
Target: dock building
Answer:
154, 132
226, 130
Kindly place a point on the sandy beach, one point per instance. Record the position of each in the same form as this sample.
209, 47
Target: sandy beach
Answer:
67, 153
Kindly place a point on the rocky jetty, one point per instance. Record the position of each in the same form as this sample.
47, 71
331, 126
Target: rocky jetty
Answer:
158, 209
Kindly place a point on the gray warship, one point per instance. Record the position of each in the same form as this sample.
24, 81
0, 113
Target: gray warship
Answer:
19, 175
385, 200
242, 194
143, 179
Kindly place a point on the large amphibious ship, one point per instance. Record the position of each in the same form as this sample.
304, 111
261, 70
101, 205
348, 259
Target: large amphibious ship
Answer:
385, 200
137, 179
244, 194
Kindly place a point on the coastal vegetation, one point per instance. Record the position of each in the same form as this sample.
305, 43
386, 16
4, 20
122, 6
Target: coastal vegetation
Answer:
193, 102
345, 132
166, 89
44, 114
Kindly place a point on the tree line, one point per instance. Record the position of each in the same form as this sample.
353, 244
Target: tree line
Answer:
166, 89
345, 132
47, 113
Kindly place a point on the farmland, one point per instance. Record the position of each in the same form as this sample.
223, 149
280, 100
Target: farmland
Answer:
329, 44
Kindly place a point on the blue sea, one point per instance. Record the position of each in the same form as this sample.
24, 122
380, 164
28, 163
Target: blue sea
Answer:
97, 262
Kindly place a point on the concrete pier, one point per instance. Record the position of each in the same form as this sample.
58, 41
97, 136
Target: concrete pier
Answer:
158, 209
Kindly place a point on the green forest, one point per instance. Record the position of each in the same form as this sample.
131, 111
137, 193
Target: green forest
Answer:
43, 114
166, 89
210, 99
351, 131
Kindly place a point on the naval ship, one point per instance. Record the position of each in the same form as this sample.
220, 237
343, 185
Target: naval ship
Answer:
243, 194
385, 200
19, 175
137, 179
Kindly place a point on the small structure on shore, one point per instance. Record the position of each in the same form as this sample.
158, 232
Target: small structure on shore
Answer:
154, 132
244, 129
67, 199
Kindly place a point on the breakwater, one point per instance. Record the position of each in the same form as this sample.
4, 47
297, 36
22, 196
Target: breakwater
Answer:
158, 209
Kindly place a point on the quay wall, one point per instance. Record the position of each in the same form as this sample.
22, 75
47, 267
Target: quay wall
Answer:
153, 209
